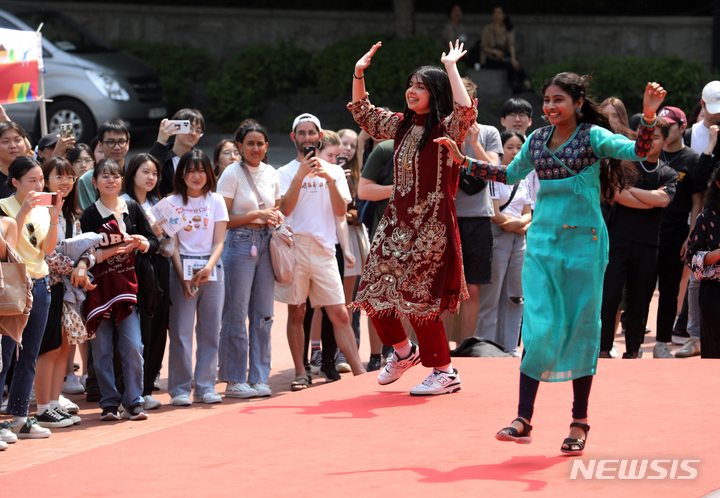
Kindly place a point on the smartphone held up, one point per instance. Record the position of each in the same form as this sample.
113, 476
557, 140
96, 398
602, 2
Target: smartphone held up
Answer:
48, 199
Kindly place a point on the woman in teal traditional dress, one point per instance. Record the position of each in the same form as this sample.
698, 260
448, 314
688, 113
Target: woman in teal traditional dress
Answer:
577, 161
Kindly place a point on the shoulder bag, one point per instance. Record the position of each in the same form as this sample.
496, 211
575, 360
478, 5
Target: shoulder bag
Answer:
282, 244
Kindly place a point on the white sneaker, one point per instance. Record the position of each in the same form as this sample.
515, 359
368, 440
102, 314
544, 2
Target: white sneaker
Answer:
438, 382
396, 367
3, 445
207, 398
68, 405
239, 390
72, 384
614, 353
514, 353
3, 407
74, 418
182, 400
49, 419
263, 390
341, 363
150, 403
6, 433
29, 429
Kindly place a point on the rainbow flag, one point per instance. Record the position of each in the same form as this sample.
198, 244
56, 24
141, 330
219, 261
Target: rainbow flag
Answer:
20, 61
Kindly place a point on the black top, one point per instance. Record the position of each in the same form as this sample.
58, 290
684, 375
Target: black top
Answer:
643, 225
4, 190
675, 216
136, 222
164, 154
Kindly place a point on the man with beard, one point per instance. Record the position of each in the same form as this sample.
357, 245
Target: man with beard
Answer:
313, 193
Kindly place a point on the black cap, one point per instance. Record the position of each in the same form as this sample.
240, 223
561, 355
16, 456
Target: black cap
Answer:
48, 140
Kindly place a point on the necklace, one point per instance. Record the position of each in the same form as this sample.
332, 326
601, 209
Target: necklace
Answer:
664, 157
650, 170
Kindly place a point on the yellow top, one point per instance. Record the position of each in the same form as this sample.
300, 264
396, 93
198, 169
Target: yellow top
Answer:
32, 256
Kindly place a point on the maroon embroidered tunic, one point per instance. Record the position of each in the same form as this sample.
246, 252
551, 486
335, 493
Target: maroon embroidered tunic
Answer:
415, 265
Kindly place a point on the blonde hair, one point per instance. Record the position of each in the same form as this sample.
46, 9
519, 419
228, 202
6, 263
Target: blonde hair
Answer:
354, 163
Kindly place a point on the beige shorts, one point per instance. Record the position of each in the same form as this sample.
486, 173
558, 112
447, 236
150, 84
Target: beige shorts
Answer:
316, 276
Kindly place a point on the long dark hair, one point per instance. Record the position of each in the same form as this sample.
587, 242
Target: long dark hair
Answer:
63, 167
436, 82
195, 159
612, 171
18, 168
712, 196
132, 169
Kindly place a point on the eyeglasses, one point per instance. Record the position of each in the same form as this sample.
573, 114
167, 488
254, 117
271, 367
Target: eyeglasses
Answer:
7, 141
107, 178
197, 131
31, 228
64, 179
113, 143
87, 160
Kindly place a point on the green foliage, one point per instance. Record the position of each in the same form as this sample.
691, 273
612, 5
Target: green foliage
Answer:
256, 75
177, 66
626, 78
387, 73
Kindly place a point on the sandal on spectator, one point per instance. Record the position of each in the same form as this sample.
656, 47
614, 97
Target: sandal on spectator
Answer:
512, 434
575, 446
300, 383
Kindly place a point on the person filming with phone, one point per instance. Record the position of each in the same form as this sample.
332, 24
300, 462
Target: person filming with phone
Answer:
187, 126
313, 193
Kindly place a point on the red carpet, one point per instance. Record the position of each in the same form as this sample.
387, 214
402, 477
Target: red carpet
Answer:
355, 438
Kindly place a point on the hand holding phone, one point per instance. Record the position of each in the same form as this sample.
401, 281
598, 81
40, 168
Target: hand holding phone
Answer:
66, 129
342, 161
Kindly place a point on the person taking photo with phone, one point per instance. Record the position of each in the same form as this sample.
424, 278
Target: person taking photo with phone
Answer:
169, 152
36, 233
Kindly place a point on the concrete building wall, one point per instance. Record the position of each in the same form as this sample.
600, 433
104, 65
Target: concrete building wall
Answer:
540, 39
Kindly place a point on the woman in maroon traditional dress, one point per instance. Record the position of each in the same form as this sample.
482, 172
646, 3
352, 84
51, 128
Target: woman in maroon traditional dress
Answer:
415, 266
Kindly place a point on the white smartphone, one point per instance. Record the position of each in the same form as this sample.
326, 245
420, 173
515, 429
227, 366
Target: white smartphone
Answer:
180, 127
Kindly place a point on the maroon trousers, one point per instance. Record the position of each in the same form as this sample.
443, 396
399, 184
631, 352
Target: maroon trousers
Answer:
432, 341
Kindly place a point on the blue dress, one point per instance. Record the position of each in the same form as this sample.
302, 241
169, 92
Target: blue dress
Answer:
567, 246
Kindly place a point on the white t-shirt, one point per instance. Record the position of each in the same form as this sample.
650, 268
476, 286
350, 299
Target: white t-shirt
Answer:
233, 185
502, 192
200, 215
313, 215
700, 137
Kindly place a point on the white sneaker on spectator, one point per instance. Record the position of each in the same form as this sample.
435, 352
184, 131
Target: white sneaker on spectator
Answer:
614, 353
72, 384
68, 405
73, 418
83, 381
6, 433
29, 429
341, 363
49, 419
239, 390
396, 366
316, 361
150, 403
3, 407
207, 398
3, 445
438, 382
182, 400
514, 353
263, 390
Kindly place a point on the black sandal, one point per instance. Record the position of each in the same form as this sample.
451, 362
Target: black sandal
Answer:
576, 446
514, 436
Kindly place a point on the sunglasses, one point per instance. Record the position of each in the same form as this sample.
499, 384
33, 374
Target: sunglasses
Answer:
33, 239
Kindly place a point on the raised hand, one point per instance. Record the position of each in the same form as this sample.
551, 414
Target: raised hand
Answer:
364, 61
654, 96
452, 147
454, 54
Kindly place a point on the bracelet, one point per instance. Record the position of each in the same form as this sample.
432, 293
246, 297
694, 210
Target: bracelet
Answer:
51, 225
646, 124
330, 182
361, 77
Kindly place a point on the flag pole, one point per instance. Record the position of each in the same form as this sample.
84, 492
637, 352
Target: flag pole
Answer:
41, 92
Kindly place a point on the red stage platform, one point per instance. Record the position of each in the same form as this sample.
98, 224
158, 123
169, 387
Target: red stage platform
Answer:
356, 438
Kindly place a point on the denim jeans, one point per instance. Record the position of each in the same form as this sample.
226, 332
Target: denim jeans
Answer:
130, 349
693, 321
501, 302
249, 294
24, 372
206, 306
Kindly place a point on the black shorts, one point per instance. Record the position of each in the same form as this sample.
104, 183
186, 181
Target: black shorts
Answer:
477, 249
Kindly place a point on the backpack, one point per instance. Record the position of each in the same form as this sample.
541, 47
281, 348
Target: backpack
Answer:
479, 348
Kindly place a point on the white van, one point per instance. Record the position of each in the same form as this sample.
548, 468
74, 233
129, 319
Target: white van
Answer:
87, 80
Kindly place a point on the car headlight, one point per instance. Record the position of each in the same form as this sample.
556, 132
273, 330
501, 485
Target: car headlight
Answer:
107, 85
